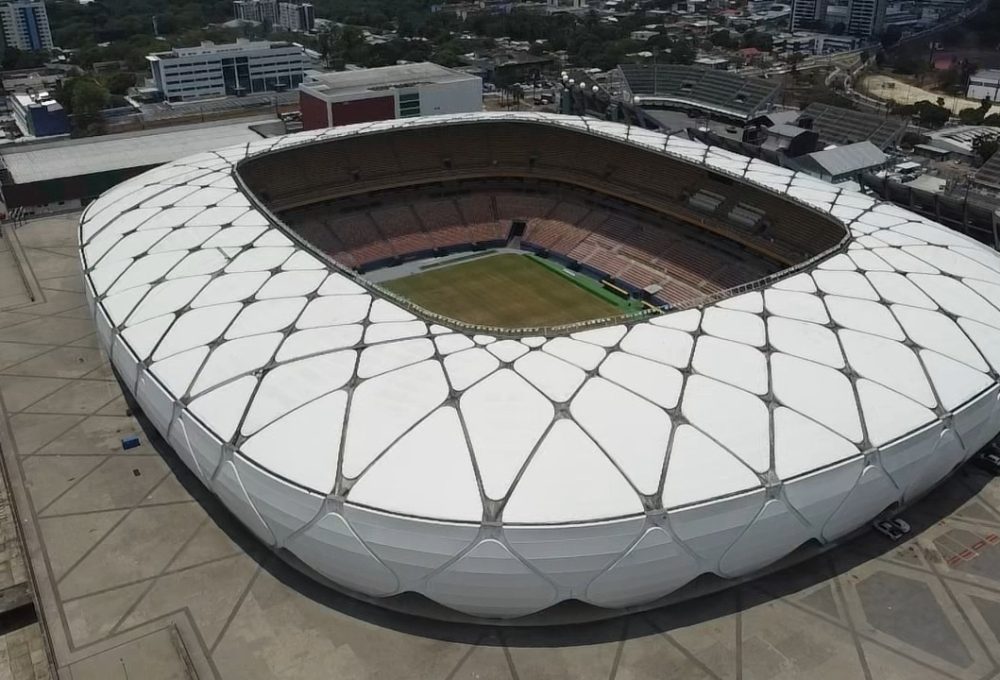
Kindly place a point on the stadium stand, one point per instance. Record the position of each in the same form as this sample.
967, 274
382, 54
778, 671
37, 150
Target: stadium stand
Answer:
620, 212
988, 175
724, 93
836, 125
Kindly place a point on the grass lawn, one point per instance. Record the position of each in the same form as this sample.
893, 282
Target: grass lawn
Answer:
507, 290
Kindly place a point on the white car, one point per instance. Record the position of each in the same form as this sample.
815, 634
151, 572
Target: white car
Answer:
893, 529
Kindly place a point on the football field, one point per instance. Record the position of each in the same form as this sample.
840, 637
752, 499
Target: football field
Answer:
508, 290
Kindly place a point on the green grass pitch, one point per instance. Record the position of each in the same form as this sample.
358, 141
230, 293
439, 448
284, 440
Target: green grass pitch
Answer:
505, 290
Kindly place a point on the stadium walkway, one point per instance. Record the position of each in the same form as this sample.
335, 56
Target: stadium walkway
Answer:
139, 571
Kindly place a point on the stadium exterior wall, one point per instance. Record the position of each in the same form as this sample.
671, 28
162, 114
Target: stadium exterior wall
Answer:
880, 365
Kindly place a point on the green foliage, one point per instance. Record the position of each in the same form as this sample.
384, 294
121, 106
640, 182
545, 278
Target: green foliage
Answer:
119, 83
683, 53
14, 58
927, 114
752, 38
83, 96
723, 39
985, 146
975, 116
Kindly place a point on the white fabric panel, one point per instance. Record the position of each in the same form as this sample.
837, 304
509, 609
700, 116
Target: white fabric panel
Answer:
489, 581
572, 556
655, 566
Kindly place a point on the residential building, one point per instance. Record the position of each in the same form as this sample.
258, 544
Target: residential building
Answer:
866, 17
296, 16
984, 84
26, 25
243, 67
807, 14
261, 11
425, 89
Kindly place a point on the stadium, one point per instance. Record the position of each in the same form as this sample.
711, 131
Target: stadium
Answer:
507, 361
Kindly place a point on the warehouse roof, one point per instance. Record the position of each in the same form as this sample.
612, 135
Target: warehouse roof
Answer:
370, 79
844, 160
89, 155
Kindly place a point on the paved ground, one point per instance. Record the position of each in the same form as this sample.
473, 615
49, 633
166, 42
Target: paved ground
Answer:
142, 575
887, 87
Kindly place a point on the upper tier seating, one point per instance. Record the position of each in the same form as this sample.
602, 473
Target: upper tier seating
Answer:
301, 176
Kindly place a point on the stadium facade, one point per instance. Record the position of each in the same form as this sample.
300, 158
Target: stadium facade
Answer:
501, 473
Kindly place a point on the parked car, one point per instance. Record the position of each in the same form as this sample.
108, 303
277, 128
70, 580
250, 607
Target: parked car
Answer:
988, 459
893, 529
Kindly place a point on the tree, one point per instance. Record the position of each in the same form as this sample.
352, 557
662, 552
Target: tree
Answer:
931, 115
985, 146
89, 97
722, 38
119, 83
682, 53
891, 36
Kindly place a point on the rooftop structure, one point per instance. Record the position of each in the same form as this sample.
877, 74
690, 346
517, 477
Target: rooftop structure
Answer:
392, 452
36, 175
328, 99
844, 162
959, 140
721, 93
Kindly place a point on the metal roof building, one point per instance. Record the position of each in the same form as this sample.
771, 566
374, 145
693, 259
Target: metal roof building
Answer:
843, 162
71, 172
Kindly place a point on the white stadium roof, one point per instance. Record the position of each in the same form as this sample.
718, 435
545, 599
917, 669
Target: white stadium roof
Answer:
498, 477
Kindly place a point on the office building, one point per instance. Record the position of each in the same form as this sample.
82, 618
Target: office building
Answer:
807, 14
296, 16
243, 67
26, 25
38, 115
984, 85
425, 89
865, 17
261, 11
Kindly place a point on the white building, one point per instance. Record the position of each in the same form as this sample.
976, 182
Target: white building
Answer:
239, 68
807, 14
296, 16
866, 17
261, 11
387, 93
984, 84
26, 25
